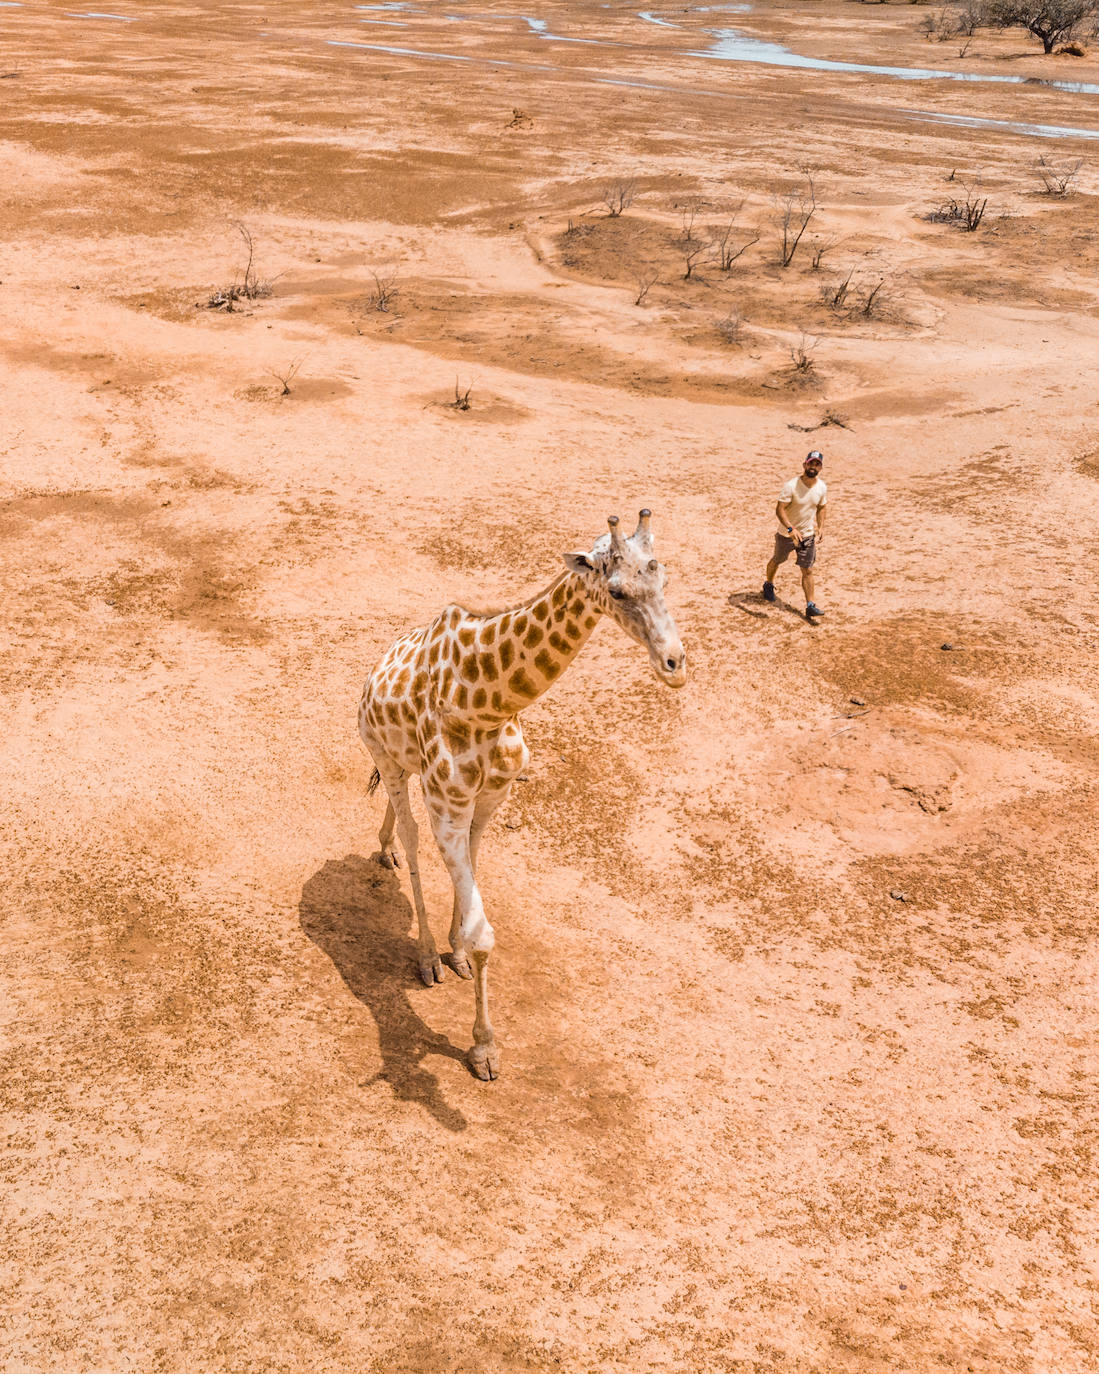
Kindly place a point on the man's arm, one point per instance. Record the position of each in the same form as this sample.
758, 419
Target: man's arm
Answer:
822, 511
784, 520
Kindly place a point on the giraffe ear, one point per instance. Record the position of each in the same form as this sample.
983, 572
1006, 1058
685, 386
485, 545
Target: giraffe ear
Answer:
578, 562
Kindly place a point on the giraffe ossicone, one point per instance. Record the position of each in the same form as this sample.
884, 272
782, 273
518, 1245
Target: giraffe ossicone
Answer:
444, 702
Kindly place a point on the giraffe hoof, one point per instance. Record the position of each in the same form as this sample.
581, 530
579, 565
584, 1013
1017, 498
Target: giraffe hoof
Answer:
388, 858
431, 971
484, 1062
461, 965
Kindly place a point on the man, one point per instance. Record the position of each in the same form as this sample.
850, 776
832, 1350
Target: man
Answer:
801, 509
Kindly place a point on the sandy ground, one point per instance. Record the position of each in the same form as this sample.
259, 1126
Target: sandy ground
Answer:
756, 1114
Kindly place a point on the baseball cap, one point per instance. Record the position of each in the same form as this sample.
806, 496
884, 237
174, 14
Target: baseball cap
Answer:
814, 456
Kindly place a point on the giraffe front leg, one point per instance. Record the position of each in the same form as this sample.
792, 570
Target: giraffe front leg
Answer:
484, 1057
486, 805
459, 959
475, 937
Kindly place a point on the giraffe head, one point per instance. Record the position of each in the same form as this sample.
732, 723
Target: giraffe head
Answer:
624, 580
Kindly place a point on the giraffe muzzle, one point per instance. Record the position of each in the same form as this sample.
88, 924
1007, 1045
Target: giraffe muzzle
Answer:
670, 666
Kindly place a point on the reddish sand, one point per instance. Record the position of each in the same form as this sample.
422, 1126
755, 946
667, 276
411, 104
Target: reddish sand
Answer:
795, 976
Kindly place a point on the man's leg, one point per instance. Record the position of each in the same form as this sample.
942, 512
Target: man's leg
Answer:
779, 557
811, 607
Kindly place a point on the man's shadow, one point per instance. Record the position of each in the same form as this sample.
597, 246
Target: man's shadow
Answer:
753, 604
353, 910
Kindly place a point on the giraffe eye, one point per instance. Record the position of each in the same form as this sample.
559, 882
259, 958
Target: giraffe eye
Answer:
618, 596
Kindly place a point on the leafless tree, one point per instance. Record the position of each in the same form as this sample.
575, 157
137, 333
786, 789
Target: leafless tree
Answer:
619, 196
691, 246
795, 210
461, 398
693, 250
1050, 21
1058, 181
727, 250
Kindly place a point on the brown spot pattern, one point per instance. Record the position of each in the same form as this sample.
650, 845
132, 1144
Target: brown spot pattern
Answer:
547, 665
521, 685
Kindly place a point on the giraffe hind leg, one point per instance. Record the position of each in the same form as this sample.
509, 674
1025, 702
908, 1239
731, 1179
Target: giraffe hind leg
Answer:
387, 850
399, 817
387, 854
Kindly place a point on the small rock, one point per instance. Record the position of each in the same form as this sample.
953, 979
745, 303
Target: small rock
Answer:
946, 648
856, 701
898, 895
512, 825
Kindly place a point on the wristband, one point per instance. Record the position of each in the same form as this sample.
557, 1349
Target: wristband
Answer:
789, 529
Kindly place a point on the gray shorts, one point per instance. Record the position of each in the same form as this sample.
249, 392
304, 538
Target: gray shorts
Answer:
806, 551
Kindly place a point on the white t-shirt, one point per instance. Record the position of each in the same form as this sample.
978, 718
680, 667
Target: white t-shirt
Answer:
801, 502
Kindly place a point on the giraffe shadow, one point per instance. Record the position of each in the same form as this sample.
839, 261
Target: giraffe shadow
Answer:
354, 911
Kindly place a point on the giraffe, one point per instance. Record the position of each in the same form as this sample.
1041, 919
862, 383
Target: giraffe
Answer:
444, 702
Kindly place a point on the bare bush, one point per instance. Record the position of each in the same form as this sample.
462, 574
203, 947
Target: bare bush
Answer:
820, 248
830, 417
795, 210
688, 212
385, 290
970, 16
461, 398
1058, 181
801, 355
871, 298
645, 279
286, 375
251, 288
966, 212
731, 328
619, 196
955, 21
834, 293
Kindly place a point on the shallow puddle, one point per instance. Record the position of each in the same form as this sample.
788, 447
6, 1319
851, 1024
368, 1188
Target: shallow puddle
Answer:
731, 46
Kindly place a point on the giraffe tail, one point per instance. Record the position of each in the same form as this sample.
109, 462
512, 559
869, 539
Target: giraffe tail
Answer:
372, 785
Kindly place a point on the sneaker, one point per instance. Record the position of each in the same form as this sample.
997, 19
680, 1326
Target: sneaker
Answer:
813, 609
768, 591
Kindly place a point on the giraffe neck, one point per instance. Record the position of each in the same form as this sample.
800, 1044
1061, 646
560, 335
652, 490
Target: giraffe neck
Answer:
518, 654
